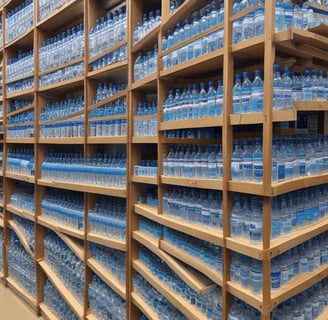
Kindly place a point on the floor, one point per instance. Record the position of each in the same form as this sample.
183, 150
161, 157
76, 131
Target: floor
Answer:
13, 308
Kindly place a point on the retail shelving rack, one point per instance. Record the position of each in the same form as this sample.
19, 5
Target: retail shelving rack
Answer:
292, 47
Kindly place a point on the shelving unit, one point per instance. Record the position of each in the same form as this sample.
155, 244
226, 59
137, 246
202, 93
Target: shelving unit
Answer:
144, 195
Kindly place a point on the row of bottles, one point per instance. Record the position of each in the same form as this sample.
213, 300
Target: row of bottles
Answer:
65, 264
23, 197
146, 168
21, 85
108, 218
101, 169
21, 160
146, 24
108, 31
17, 104
20, 66
108, 128
27, 228
145, 64
108, 89
193, 102
67, 129
47, 7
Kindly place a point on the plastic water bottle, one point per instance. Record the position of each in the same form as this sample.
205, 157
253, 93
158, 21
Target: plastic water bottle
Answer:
259, 20
287, 85
248, 26
138, 67
257, 162
278, 89
279, 15
297, 17
257, 93
211, 100
246, 94
236, 162
237, 95
237, 31
247, 162
219, 99
288, 15
307, 87
202, 101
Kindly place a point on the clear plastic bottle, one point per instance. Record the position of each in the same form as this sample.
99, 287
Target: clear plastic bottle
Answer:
257, 93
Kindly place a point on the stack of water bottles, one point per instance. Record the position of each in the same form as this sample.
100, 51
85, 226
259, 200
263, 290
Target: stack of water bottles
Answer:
150, 227
193, 133
119, 54
155, 300
174, 5
305, 258
101, 169
195, 206
23, 196
64, 207
146, 127
21, 266
104, 302
115, 108
62, 48
193, 102
16, 130
208, 303
21, 66
113, 260
65, 264
145, 64
108, 218
240, 310
19, 20
20, 132
209, 253
56, 303
66, 129
19, 104
194, 161
27, 227
20, 85
107, 89
148, 22
23, 117
146, 168
21, 161
108, 128
47, 7
151, 197
308, 304
108, 32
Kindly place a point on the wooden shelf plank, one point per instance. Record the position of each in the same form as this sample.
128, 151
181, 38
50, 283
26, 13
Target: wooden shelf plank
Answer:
26, 93
61, 140
20, 292
146, 309
118, 70
107, 277
298, 285
20, 212
27, 108
106, 241
150, 81
108, 100
76, 116
289, 114
66, 84
59, 227
193, 182
145, 139
60, 286
47, 313
311, 105
21, 177
108, 140
324, 315
20, 234
246, 187
20, 140
2, 224
190, 311
244, 246
195, 280
91, 317
194, 123
145, 179
245, 294
192, 261
149, 39
107, 51
116, 192
200, 232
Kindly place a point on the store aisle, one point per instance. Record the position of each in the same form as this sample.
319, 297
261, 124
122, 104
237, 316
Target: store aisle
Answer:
13, 308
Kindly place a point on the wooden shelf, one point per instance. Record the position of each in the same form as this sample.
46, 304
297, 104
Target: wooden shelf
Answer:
60, 228
20, 292
195, 280
20, 140
106, 52
145, 179
246, 187
193, 182
64, 85
24, 40
298, 285
61, 288
27, 108
245, 294
47, 313
108, 100
21, 235
108, 140
118, 70
73, 244
200, 65
147, 82
20, 212
61, 140
200, 232
20, 177
118, 116
194, 123
194, 262
91, 317
149, 39
145, 139
107, 277
61, 16
190, 311
2, 225
311, 105
22, 94
146, 309
116, 192
107, 241
324, 315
